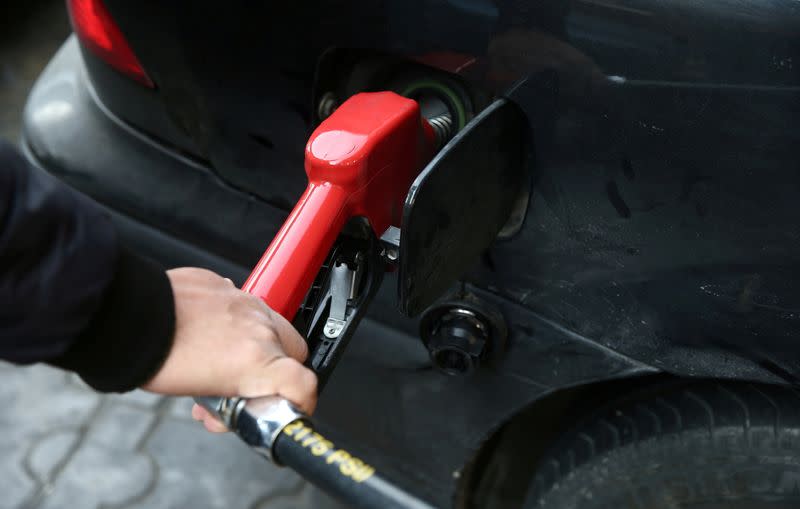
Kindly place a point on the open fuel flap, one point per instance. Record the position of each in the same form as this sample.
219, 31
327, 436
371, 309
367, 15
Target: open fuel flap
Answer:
459, 203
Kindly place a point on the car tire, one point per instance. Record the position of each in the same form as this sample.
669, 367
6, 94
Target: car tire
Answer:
703, 445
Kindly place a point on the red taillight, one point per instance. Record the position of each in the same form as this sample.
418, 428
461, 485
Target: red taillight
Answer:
98, 32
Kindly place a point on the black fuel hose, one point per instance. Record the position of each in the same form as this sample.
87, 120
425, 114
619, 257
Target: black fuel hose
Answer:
275, 428
334, 470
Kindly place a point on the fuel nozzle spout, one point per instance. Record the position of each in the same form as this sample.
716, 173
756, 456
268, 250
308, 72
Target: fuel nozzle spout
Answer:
443, 128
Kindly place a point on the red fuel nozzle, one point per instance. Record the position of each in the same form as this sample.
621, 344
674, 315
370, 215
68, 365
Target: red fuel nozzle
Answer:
360, 161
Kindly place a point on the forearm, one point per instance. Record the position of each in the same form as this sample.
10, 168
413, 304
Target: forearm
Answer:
69, 295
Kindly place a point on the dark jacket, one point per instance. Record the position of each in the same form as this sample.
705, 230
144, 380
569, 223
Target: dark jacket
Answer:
70, 296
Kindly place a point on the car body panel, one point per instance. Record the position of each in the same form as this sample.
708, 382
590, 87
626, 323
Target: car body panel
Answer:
665, 135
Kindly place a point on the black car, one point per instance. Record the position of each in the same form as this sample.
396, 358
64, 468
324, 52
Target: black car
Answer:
639, 309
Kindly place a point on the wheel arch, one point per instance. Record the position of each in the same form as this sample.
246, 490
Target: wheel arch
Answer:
502, 466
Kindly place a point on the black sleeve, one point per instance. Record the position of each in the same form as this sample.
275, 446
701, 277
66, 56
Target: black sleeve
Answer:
69, 295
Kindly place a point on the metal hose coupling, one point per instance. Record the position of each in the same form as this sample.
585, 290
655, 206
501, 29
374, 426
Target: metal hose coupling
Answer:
257, 421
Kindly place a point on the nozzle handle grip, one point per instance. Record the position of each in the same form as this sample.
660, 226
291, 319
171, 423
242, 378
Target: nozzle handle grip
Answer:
289, 265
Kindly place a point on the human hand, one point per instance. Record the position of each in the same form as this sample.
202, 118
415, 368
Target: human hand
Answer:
229, 343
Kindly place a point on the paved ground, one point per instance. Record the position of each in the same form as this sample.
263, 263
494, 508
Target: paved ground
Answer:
65, 446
